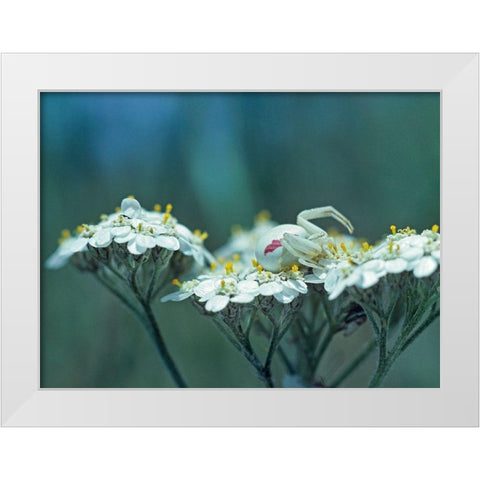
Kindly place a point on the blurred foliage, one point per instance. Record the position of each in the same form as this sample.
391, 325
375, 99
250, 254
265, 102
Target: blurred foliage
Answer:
219, 158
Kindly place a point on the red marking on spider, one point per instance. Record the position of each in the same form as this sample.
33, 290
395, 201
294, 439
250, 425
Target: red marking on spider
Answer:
272, 247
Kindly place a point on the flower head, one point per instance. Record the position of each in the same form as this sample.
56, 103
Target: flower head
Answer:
140, 230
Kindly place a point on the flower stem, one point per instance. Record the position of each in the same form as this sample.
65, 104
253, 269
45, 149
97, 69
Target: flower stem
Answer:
154, 331
145, 314
403, 341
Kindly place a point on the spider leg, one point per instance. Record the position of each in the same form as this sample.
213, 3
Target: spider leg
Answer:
304, 217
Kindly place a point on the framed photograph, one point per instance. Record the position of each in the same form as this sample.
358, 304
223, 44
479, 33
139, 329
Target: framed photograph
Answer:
240, 239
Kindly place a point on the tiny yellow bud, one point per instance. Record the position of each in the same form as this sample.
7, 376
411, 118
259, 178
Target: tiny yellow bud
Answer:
229, 268
204, 236
236, 257
213, 266
165, 218
393, 228
236, 229
168, 208
130, 196
365, 246
176, 282
65, 233
263, 216
254, 262
79, 229
223, 283
118, 209
140, 226
435, 229
259, 268
151, 229
343, 247
157, 207
197, 232
390, 247
295, 268
103, 217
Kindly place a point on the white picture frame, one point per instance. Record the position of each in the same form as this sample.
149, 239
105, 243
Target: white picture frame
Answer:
24, 76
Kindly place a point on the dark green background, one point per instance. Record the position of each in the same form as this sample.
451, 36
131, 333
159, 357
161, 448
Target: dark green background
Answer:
219, 158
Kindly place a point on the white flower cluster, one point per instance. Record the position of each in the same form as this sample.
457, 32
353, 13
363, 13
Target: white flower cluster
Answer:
402, 251
337, 262
217, 291
140, 230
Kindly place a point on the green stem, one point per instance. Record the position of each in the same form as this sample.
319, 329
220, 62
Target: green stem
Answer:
238, 339
271, 350
158, 267
383, 364
433, 316
154, 331
118, 294
281, 351
403, 341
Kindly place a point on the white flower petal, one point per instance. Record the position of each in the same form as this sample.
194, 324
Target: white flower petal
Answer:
310, 278
243, 298
207, 288
185, 247
297, 285
217, 303
374, 266
78, 244
270, 288
58, 259
125, 238
183, 231
339, 288
425, 267
130, 207
320, 273
247, 286
101, 239
332, 280
411, 253
168, 242
121, 231
397, 265
367, 279
135, 248
417, 241
145, 241
436, 255
286, 296
176, 296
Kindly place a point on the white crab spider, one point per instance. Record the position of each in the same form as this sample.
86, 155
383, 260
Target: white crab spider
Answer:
281, 246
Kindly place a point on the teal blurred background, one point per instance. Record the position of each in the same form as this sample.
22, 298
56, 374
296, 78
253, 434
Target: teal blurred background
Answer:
219, 158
